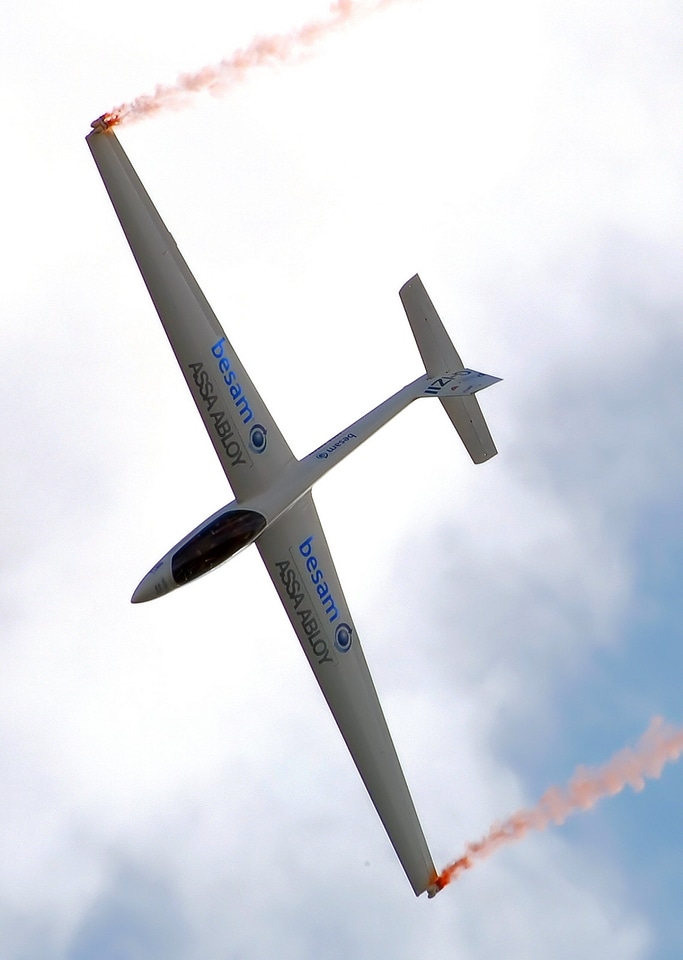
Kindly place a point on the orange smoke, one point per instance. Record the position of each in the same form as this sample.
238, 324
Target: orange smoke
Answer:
660, 744
262, 51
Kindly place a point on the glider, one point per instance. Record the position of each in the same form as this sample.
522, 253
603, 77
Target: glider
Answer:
273, 505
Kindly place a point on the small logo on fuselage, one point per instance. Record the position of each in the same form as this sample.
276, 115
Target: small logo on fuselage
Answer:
331, 447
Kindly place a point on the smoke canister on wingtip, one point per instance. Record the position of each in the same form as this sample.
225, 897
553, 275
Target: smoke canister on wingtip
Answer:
105, 121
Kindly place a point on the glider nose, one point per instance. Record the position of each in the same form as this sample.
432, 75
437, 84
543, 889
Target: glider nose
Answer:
155, 584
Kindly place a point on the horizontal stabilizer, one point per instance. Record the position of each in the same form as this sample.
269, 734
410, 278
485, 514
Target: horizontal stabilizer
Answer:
451, 382
466, 416
438, 353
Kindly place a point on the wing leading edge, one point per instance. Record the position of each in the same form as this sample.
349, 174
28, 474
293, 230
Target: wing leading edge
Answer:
298, 560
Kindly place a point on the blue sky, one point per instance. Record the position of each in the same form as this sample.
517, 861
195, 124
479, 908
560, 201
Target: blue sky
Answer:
172, 785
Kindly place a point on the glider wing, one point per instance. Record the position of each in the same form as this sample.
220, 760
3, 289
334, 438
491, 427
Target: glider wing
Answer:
248, 442
297, 557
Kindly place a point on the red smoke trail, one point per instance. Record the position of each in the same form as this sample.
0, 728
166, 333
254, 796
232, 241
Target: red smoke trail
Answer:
262, 51
660, 744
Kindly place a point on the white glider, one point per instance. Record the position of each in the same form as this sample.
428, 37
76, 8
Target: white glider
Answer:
273, 505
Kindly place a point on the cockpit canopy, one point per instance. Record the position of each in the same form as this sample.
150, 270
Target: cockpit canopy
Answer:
221, 538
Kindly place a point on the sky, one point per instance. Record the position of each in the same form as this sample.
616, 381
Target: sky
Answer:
171, 783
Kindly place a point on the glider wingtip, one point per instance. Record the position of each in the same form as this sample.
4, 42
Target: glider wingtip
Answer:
436, 886
104, 123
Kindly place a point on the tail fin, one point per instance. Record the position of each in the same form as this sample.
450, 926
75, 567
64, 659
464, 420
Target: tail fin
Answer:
441, 360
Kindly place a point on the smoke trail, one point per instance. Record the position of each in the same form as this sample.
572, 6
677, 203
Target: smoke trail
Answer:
262, 51
660, 744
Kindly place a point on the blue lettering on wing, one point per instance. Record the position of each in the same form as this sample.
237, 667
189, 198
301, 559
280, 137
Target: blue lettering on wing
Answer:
318, 580
231, 381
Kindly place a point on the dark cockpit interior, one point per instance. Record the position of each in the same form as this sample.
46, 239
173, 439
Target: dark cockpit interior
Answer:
219, 540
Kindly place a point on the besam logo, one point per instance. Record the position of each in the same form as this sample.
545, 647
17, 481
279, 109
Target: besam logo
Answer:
343, 636
257, 438
324, 454
231, 381
318, 580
